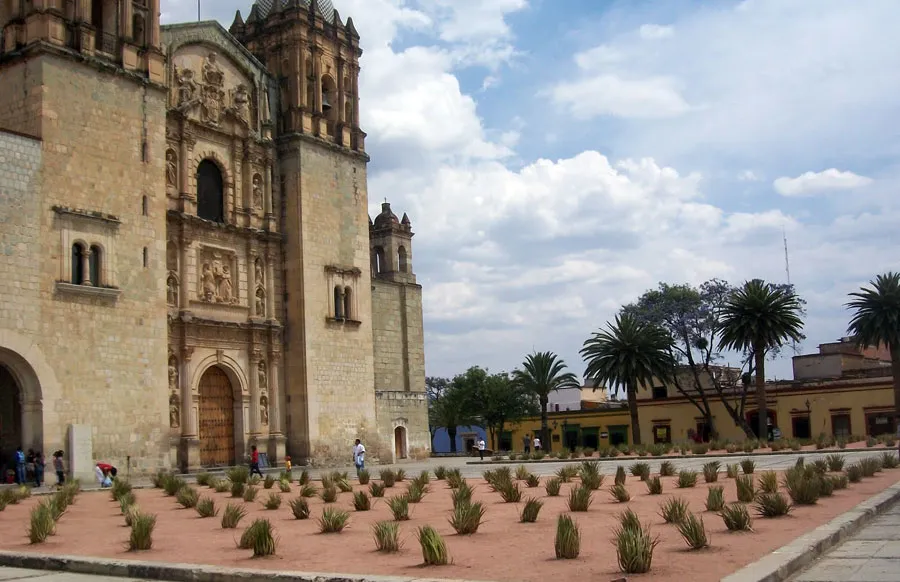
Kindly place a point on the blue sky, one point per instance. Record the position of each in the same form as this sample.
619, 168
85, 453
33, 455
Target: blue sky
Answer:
559, 158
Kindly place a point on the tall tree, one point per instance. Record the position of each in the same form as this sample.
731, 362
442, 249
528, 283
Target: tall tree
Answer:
541, 374
501, 402
757, 319
877, 321
629, 353
452, 409
434, 388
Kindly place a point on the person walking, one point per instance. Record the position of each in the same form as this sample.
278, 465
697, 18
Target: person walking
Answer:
254, 461
359, 456
59, 468
20, 466
526, 442
537, 444
39, 464
481, 446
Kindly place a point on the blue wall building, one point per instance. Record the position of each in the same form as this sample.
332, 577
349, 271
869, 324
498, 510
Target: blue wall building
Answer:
466, 437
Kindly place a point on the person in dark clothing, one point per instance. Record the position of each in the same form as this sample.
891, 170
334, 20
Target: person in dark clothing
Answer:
59, 468
254, 461
39, 465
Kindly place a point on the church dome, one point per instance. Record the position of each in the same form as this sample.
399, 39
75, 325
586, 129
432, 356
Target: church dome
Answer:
387, 218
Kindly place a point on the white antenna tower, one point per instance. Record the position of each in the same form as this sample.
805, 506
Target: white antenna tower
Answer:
787, 271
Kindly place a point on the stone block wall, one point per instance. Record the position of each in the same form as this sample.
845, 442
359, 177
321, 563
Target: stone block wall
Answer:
407, 411
20, 99
398, 336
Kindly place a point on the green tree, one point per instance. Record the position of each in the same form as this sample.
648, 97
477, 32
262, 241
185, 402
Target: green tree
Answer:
758, 318
877, 321
453, 408
628, 354
541, 374
435, 386
501, 402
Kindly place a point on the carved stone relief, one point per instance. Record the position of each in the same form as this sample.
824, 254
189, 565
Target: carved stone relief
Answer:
217, 271
174, 412
257, 192
173, 374
187, 88
264, 409
263, 380
240, 102
171, 168
260, 302
260, 272
172, 289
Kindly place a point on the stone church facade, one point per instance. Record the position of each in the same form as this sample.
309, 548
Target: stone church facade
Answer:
188, 263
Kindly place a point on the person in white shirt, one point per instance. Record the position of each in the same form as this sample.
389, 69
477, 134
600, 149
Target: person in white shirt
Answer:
481, 446
359, 456
537, 444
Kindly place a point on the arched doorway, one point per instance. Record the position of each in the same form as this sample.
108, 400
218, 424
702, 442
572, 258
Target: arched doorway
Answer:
400, 443
216, 422
10, 417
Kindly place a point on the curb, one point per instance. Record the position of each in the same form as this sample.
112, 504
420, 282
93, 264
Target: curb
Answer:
872, 450
135, 569
790, 559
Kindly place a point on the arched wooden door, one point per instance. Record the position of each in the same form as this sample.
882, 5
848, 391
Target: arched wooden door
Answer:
10, 415
216, 419
400, 443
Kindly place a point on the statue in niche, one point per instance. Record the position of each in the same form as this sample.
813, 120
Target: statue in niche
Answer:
264, 410
171, 168
187, 87
257, 192
212, 72
225, 286
260, 278
260, 302
263, 380
172, 289
208, 283
174, 413
240, 101
173, 374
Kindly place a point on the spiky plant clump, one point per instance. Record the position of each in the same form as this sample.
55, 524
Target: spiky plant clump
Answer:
711, 471
424, 477
890, 460
620, 475
300, 508
522, 473
361, 501
328, 481
580, 499
634, 549
826, 486
854, 473
629, 519
285, 486
533, 480
772, 505
620, 493
141, 537
376, 489
250, 493
416, 491
768, 482
463, 494
42, 523
329, 494
567, 473
130, 514
673, 510
363, 477
206, 507
387, 536
333, 520
269, 482
304, 477
120, 487
687, 479
870, 466
343, 485
592, 481
455, 479
821, 466
746, 488
666, 469
262, 538
273, 501
173, 485
399, 506
434, 550
732, 470
238, 474
125, 501
159, 479
693, 532
568, 538
204, 479
838, 481
400, 474
654, 486
440, 472
466, 517
510, 492
531, 510
58, 506
254, 480
221, 485
388, 477
187, 497
588, 468
552, 486
715, 498
748, 466
803, 489
239, 488
233, 515
308, 490
736, 517
641, 470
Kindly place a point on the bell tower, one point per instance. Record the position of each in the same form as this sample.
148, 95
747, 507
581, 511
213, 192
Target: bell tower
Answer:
390, 239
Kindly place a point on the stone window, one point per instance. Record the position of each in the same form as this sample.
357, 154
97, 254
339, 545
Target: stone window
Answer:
348, 303
210, 192
379, 264
338, 303
343, 283
87, 261
77, 262
95, 266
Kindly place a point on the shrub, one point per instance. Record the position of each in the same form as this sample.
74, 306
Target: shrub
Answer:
666, 469
641, 470
699, 449
206, 507
399, 506
329, 494
387, 536
736, 517
250, 493
531, 510
567, 473
387, 477
238, 489
308, 490
826, 486
172, 485
434, 550
673, 510
463, 494
854, 473
838, 481
159, 480
204, 479
363, 477
42, 523
424, 477
130, 514
125, 501
376, 489
119, 488
630, 519
620, 475
711, 471
871, 442
333, 520
141, 537
693, 531
466, 517
269, 482
620, 493
304, 478
580, 499
538, 455
510, 492
592, 481
416, 491
748, 466
361, 501
233, 516
890, 460
772, 505
440, 472
522, 473
262, 541
300, 508
634, 549
768, 482
238, 474
568, 538
654, 486
821, 466
455, 479
715, 498
731, 470
746, 489
870, 466
687, 479
221, 485
285, 486
187, 497
552, 486
273, 502
400, 474
803, 489
533, 481
254, 480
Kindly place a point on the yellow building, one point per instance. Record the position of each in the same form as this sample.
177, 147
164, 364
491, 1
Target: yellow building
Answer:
839, 391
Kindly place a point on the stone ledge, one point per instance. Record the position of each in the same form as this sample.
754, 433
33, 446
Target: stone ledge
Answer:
790, 559
183, 572
105, 292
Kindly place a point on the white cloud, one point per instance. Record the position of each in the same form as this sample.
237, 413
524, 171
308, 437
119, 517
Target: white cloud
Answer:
647, 98
748, 176
817, 182
655, 32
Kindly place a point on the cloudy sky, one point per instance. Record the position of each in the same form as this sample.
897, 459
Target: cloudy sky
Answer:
557, 158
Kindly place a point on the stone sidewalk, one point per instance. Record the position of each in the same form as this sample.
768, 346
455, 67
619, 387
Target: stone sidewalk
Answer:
17, 574
871, 555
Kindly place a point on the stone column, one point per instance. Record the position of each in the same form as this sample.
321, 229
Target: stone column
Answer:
270, 289
86, 267
251, 280
255, 357
184, 279
274, 393
153, 23
247, 179
317, 73
354, 82
188, 427
341, 92
126, 23
303, 81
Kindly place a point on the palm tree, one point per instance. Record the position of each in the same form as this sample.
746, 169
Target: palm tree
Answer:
758, 318
877, 321
541, 374
629, 353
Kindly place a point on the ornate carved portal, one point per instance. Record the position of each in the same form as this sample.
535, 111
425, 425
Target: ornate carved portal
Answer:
217, 271
216, 412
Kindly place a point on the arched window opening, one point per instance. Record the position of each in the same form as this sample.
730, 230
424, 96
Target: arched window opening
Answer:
402, 260
378, 261
95, 262
140, 37
210, 192
348, 303
338, 304
77, 263
329, 99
